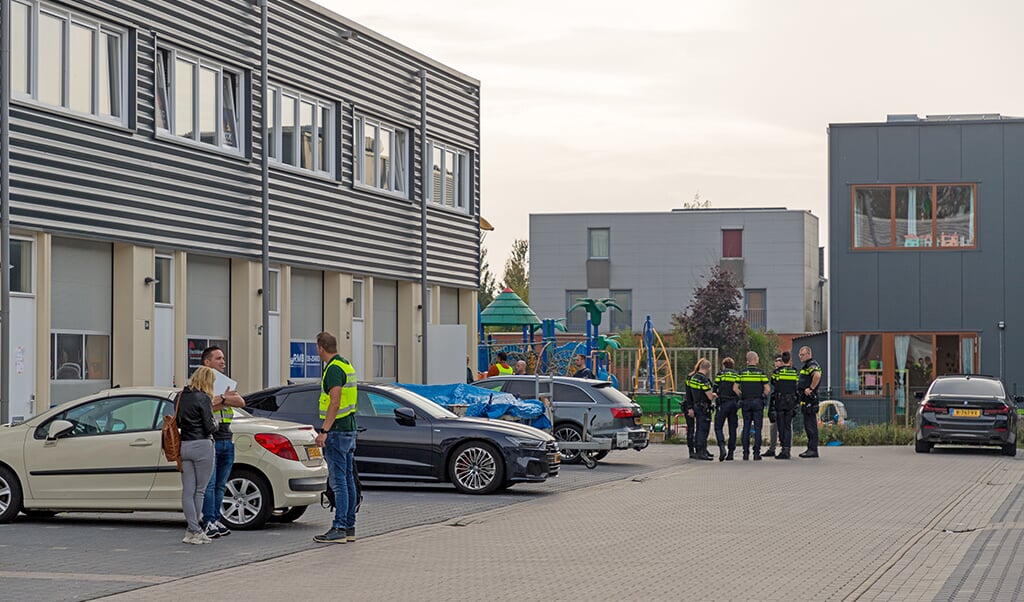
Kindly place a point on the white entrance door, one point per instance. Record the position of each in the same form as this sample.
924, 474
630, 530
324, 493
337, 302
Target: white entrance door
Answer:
358, 331
23, 353
274, 332
163, 323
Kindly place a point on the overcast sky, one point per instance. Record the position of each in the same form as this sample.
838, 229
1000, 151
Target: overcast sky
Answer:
639, 105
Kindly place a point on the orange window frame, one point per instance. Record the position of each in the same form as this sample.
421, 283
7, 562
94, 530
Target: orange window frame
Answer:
892, 216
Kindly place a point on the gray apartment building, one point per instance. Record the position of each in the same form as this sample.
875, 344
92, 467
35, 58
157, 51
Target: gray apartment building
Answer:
148, 209
651, 263
923, 213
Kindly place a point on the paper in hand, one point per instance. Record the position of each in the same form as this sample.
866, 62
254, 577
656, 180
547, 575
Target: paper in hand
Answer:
223, 383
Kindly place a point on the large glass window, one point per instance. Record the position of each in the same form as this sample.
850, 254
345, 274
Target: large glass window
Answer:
198, 100
732, 243
449, 177
598, 241
301, 131
575, 320
79, 356
382, 156
902, 364
917, 216
66, 60
621, 320
755, 308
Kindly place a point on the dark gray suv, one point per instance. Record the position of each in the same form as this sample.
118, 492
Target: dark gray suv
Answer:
612, 414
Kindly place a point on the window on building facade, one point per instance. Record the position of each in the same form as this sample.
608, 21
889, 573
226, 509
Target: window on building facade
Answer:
357, 299
162, 293
382, 156
198, 100
21, 266
67, 60
914, 216
598, 243
621, 320
274, 291
575, 320
898, 365
79, 356
449, 177
732, 244
301, 130
755, 308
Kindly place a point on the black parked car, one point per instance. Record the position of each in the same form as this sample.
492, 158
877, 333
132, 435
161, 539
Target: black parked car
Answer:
966, 410
406, 437
608, 411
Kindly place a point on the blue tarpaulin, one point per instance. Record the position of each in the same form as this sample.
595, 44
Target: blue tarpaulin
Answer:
484, 403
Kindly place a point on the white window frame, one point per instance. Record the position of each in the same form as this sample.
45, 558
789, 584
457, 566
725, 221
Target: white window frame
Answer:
170, 98
395, 150
31, 260
169, 285
462, 193
276, 131
99, 29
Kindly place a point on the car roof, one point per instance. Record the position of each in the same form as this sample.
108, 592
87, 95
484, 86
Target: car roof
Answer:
313, 386
966, 376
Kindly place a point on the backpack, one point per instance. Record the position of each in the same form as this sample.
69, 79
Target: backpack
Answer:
170, 436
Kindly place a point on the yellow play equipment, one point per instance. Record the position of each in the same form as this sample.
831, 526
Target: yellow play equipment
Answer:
652, 362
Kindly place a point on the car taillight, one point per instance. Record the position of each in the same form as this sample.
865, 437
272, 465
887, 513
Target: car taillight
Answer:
279, 445
927, 407
622, 412
996, 411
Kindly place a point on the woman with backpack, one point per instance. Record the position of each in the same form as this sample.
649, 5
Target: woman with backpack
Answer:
195, 419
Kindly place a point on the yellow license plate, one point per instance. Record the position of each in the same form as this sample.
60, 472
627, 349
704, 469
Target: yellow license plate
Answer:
558, 458
966, 413
314, 453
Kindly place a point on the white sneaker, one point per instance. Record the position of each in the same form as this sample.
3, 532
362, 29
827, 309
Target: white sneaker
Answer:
202, 538
192, 538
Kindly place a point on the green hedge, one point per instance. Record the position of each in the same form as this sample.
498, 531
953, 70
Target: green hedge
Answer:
867, 434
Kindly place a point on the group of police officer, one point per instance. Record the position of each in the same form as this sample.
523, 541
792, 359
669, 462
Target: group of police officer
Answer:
785, 390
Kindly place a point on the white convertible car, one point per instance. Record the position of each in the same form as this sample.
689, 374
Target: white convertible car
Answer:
102, 454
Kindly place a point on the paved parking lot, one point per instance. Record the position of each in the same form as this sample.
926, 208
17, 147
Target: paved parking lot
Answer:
859, 524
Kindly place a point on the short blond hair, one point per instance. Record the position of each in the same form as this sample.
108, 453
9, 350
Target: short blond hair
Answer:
202, 380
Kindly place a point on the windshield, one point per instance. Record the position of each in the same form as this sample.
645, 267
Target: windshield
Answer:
964, 386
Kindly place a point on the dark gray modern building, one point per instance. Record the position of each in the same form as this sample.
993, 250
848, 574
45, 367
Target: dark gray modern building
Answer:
140, 206
923, 231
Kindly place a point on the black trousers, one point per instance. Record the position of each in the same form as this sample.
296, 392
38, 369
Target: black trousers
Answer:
753, 417
690, 434
703, 420
784, 421
811, 427
727, 410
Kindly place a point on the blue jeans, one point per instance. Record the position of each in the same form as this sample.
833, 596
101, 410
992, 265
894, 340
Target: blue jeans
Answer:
224, 459
339, 452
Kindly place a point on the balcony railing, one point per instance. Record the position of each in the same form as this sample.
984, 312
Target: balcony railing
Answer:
756, 318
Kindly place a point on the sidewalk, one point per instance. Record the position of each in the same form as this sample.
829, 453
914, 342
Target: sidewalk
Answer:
861, 523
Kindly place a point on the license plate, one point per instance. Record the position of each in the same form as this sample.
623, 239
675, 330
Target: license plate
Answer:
558, 457
314, 452
965, 413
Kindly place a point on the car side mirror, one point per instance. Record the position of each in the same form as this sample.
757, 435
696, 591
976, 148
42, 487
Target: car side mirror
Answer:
919, 394
59, 428
405, 416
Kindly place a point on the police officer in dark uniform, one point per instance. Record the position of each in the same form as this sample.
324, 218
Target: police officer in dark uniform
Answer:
783, 405
752, 389
702, 394
728, 408
686, 407
807, 395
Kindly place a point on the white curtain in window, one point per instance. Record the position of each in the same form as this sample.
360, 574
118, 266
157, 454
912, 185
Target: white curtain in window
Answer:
912, 211
967, 355
902, 345
852, 357
401, 150
970, 220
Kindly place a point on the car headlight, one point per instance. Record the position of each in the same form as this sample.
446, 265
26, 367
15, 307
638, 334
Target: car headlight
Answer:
525, 442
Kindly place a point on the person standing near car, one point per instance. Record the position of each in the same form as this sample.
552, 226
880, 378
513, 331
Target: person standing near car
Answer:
195, 419
702, 393
728, 408
581, 368
752, 389
773, 429
337, 437
224, 447
500, 367
807, 395
784, 379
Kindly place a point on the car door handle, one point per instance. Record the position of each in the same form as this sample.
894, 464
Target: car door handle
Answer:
141, 443
360, 429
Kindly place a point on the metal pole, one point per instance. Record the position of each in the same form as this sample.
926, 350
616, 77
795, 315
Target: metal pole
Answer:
5, 215
265, 187
423, 221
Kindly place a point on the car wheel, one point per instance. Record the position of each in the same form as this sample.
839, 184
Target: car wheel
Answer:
922, 447
248, 500
1010, 449
476, 468
10, 495
287, 515
572, 434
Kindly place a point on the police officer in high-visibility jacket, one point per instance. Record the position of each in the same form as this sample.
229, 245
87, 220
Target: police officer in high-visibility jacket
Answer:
807, 395
702, 394
727, 408
784, 379
752, 389
337, 437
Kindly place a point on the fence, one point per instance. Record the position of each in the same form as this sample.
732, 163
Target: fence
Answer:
677, 361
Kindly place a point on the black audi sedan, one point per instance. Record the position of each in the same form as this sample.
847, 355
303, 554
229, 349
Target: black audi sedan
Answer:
967, 410
406, 437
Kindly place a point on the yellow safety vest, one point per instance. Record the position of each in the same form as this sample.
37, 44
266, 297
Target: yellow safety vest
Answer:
225, 415
348, 390
504, 369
